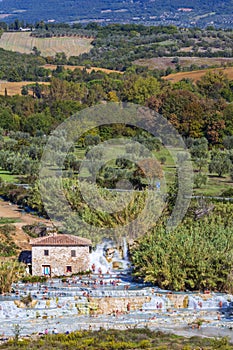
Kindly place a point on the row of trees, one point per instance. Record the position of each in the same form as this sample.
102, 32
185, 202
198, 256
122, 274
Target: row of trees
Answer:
196, 111
21, 153
117, 46
216, 161
19, 67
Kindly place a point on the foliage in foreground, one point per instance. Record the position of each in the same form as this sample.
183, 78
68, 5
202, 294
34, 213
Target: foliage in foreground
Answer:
7, 244
33, 279
10, 272
120, 340
196, 255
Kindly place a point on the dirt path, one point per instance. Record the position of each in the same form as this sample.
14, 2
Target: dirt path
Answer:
9, 210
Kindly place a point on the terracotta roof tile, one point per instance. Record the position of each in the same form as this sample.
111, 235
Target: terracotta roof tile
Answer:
60, 240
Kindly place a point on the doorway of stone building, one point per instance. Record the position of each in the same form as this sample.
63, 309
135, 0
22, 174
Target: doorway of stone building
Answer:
46, 270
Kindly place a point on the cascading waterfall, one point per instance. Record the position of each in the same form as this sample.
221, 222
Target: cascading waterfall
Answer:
125, 250
99, 259
155, 303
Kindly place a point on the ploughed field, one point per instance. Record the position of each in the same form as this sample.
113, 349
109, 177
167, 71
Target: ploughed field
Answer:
12, 88
22, 42
196, 75
89, 70
165, 62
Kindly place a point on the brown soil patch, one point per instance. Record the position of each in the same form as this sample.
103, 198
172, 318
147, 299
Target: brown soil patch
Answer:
21, 239
14, 88
196, 75
89, 70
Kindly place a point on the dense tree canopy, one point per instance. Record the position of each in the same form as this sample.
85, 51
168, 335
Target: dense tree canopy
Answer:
196, 255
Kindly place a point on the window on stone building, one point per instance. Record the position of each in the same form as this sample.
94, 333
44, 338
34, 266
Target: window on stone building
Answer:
46, 252
73, 253
68, 268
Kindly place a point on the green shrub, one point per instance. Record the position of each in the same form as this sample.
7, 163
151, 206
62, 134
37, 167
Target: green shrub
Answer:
27, 299
144, 344
34, 279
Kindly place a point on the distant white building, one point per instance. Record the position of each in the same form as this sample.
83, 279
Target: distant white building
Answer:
27, 29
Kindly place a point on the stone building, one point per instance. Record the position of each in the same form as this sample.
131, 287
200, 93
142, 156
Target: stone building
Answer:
60, 255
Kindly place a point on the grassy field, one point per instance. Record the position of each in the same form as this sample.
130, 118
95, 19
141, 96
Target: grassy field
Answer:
196, 75
214, 187
14, 88
23, 42
165, 62
89, 70
4, 221
7, 176
119, 340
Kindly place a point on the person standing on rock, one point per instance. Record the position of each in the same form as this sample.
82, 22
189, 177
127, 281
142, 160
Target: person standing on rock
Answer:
55, 331
128, 307
93, 268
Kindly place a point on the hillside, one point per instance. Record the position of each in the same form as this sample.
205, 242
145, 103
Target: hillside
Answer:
178, 12
17, 218
165, 62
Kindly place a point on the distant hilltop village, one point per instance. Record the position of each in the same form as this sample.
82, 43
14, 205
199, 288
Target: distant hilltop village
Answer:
148, 12
185, 9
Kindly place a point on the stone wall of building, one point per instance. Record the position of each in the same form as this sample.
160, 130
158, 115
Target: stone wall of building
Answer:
59, 258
